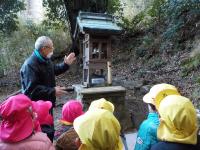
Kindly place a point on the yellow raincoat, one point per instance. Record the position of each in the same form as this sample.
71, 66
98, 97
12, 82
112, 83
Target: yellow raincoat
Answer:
178, 120
98, 129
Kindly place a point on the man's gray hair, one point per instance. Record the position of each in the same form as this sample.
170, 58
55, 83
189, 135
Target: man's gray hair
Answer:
41, 42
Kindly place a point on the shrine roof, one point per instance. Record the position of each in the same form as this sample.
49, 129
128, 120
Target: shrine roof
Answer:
97, 23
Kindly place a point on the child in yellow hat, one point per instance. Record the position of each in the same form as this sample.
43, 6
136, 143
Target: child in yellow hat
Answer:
178, 125
147, 133
98, 129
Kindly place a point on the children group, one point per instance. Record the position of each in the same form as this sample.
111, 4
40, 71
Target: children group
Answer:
170, 125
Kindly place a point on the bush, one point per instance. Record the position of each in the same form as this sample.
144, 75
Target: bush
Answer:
195, 96
180, 15
190, 64
156, 63
145, 18
132, 25
172, 22
20, 44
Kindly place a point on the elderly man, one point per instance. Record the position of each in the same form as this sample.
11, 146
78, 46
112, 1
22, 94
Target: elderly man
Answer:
38, 72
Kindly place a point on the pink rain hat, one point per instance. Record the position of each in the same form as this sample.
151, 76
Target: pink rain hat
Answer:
70, 111
42, 109
17, 122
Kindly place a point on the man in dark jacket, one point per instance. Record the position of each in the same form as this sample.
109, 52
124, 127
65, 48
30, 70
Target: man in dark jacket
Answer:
38, 73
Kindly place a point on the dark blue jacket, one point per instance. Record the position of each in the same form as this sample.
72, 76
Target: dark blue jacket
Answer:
173, 146
38, 78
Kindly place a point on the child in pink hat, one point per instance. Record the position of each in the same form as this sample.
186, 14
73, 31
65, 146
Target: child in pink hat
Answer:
19, 128
70, 111
45, 119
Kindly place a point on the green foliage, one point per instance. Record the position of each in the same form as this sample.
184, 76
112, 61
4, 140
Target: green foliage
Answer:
172, 22
174, 9
172, 31
157, 63
57, 12
196, 97
2, 55
154, 9
3, 59
145, 18
8, 14
175, 13
141, 52
133, 25
190, 64
198, 80
114, 6
147, 40
20, 44
179, 15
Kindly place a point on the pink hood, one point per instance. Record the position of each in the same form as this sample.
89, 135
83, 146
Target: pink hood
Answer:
42, 109
17, 117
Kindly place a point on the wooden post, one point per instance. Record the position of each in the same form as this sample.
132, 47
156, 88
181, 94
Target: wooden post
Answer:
109, 78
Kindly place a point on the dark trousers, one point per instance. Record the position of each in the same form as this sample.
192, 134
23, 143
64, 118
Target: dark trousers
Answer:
49, 129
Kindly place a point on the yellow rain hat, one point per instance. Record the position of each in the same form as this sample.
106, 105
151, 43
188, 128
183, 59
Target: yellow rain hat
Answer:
98, 130
158, 92
102, 104
178, 120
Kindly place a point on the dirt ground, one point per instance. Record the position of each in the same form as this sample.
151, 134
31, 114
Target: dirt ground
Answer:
125, 68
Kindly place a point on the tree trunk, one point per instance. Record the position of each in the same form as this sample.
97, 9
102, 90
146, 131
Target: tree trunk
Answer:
73, 7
